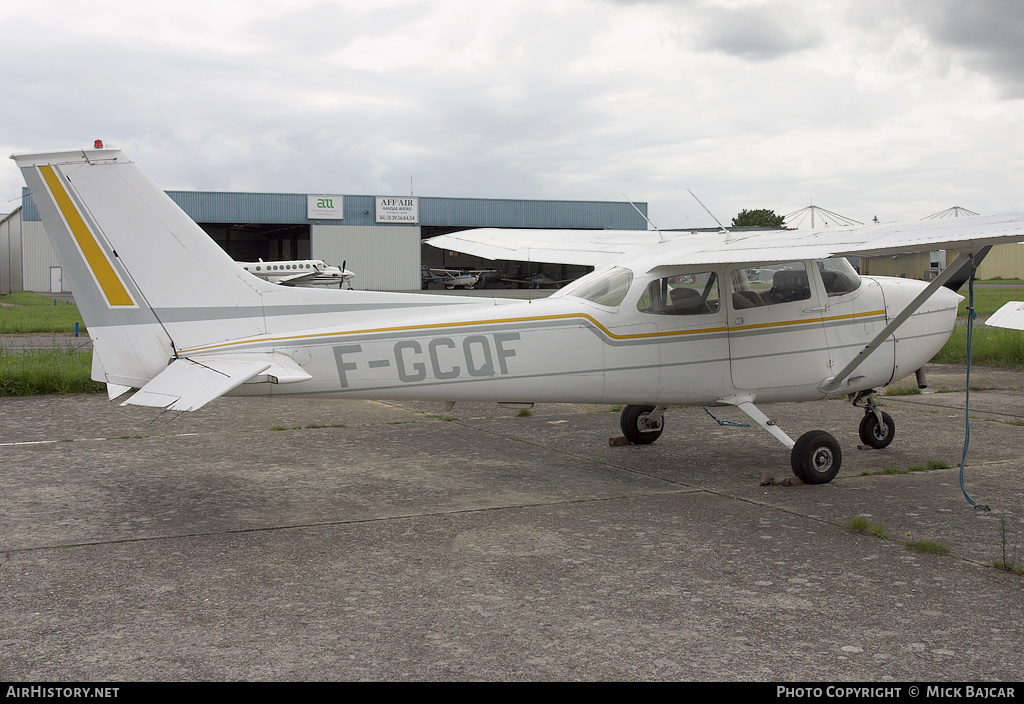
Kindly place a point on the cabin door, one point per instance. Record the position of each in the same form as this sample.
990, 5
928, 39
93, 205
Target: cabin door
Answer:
776, 331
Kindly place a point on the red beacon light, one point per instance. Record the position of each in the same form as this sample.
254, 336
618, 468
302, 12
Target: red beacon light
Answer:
98, 144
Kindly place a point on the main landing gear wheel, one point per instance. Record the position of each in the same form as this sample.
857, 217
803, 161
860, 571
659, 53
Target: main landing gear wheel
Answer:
637, 426
816, 457
875, 434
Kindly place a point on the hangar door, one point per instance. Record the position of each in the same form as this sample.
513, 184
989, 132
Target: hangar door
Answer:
248, 242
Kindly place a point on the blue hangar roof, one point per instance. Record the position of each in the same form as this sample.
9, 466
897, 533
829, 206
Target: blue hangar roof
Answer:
290, 208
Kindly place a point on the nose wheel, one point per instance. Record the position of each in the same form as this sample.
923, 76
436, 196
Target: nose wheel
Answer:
877, 429
815, 457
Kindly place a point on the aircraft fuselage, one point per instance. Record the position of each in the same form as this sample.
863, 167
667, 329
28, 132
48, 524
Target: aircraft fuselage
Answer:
568, 348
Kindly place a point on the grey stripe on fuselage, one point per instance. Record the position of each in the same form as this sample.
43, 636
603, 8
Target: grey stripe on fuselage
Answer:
519, 377
215, 313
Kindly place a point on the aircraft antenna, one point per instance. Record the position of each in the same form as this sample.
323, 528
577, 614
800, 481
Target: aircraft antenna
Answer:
707, 211
661, 237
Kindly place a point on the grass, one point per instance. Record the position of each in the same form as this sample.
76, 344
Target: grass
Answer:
988, 300
902, 391
524, 413
864, 526
58, 370
311, 426
26, 312
1008, 563
928, 466
932, 547
1006, 422
997, 347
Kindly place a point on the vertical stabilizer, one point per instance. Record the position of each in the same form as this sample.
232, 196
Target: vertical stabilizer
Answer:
147, 279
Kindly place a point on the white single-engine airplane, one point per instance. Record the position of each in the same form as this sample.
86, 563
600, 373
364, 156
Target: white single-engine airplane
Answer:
450, 278
665, 319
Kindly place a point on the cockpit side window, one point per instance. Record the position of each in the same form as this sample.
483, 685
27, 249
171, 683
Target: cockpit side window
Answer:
682, 294
779, 283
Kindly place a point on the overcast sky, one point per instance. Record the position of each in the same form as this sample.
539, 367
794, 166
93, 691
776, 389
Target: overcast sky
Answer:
888, 108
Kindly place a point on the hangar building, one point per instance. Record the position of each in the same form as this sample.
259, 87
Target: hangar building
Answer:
377, 237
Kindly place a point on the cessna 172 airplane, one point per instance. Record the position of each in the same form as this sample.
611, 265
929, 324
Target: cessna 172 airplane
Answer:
450, 278
299, 272
665, 318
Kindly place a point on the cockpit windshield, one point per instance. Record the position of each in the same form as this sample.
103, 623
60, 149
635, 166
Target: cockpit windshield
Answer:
838, 275
606, 288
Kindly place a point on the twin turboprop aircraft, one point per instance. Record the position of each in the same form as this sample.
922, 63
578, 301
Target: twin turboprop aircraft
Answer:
665, 319
299, 272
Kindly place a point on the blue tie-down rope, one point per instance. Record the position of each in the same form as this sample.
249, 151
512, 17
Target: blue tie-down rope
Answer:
971, 315
726, 422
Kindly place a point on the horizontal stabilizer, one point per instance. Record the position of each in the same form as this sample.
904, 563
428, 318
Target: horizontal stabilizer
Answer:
1010, 316
115, 390
186, 385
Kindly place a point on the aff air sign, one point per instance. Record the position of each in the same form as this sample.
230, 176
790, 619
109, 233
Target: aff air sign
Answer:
325, 207
398, 209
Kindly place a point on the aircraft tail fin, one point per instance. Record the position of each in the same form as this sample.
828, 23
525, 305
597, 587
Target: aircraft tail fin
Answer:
147, 279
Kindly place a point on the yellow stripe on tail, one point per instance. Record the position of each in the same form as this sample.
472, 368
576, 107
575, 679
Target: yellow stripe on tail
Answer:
106, 277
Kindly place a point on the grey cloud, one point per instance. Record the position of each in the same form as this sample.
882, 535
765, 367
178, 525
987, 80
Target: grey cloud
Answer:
988, 34
755, 33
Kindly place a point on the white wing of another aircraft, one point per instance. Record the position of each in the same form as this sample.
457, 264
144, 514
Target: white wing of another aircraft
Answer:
1010, 315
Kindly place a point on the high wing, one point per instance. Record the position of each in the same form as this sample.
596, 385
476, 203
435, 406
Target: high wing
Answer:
594, 247
589, 247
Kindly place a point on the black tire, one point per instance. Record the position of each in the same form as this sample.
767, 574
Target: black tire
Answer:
634, 425
875, 434
816, 457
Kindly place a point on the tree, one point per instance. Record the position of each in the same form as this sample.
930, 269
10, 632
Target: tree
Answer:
764, 218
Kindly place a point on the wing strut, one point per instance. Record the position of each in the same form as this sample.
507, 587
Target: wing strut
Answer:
835, 382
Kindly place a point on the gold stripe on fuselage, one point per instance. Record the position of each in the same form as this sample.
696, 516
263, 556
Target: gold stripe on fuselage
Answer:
530, 319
